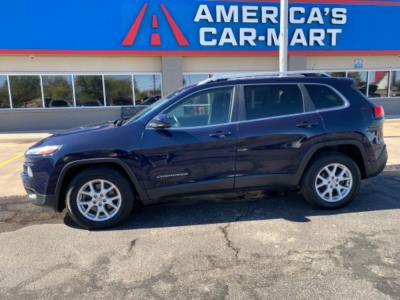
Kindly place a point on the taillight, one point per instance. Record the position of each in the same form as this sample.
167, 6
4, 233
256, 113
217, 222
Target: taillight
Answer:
379, 112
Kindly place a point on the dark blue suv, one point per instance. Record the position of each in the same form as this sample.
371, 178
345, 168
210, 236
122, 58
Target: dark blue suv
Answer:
306, 131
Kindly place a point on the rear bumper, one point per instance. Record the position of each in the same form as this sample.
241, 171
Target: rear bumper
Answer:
374, 168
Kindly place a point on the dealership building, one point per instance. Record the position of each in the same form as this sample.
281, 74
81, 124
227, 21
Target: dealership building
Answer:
69, 63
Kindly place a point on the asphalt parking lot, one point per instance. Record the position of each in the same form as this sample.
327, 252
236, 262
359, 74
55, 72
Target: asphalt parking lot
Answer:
259, 245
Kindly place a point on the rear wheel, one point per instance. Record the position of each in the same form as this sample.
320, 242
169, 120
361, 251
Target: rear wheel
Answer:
331, 181
99, 198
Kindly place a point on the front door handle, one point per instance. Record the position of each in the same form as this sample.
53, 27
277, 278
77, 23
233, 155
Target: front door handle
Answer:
307, 124
220, 134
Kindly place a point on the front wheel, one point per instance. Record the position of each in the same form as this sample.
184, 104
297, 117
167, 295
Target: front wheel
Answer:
331, 181
99, 198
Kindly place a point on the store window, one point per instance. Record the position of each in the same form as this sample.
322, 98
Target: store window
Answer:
361, 80
26, 91
89, 90
204, 108
272, 100
337, 74
378, 84
189, 79
58, 91
4, 96
118, 90
147, 89
395, 84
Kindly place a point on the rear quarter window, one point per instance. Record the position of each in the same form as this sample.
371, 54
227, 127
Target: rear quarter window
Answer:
324, 97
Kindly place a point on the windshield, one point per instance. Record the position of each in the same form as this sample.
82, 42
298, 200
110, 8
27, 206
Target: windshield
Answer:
156, 104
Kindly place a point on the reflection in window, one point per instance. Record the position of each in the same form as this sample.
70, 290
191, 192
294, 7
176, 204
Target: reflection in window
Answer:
89, 90
378, 84
361, 80
189, 79
4, 97
323, 96
337, 74
272, 100
26, 91
118, 90
204, 108
57, 91
395, 84
147, 89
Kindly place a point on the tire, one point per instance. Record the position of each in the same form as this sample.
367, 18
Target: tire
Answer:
344, 189
108, 208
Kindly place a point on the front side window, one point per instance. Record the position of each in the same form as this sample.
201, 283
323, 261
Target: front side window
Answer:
271, 100
89, 90
26, 91
324, 97
378, 84
57, 91
209, 107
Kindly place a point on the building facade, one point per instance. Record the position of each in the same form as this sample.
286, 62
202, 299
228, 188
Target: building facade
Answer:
69, 63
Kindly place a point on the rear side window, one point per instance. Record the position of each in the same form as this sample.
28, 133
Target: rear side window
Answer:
271, 100
324, 97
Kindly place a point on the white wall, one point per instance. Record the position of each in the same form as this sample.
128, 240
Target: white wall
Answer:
207, 64
347, 62
25, 63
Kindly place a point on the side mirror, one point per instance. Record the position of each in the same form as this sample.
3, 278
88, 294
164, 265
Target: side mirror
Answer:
161, 122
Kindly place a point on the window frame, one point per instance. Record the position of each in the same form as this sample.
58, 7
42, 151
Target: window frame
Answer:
232, 113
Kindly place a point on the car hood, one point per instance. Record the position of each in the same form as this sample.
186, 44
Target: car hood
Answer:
71, 134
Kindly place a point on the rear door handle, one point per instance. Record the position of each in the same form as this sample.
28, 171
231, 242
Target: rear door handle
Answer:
220, 134
307, 124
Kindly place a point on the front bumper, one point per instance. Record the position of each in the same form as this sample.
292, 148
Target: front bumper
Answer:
374, 168
42, 200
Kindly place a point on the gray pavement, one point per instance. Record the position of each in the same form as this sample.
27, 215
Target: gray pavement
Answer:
258, 245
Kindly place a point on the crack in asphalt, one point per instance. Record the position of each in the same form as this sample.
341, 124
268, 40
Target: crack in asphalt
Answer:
228, 242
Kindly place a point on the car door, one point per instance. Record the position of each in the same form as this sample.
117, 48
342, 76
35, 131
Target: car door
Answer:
277, 126
197, 153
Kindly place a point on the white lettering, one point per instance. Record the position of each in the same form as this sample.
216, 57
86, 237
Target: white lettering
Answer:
232, 15
227, 37
269, 14
203, 14
203, 38
249, 14
315, 16
248, 35
317, 36
339, 16
298, 38
333, 33
292, 15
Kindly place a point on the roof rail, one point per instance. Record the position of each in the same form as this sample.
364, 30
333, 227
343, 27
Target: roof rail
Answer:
264, 75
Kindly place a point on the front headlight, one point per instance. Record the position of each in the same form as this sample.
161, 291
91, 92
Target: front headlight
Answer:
44, 150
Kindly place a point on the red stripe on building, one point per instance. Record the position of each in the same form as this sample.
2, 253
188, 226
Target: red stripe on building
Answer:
195, 52
131, 36
155, 39
180, 38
